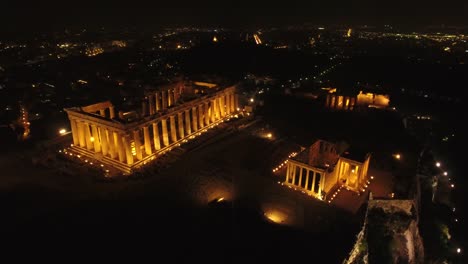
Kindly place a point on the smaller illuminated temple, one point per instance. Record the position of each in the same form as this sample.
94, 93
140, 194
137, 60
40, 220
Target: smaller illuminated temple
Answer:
325, 166
351, 101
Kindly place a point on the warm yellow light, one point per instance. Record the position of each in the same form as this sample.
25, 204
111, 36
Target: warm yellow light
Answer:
220, 199
397, 156
251, 100
215, 39
92, 139
62, 131
269, 135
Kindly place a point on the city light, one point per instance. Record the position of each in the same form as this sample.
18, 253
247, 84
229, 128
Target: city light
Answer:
445, 173
62, 131
251, 100
269, 135
452, 185
91, 139
397, 156
437, 164
458, 250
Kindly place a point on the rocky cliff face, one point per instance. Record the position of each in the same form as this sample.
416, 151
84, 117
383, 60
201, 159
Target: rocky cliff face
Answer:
390, 234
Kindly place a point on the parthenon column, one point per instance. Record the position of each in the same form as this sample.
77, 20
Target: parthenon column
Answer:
74, 129
157, 143
221, 105
176, 94
120, 146
233, 103
194, 119
300, 176
111, 112
158, 101
201, 119
287, 171
112, 147
180, 122
207, 113
151, 105
170, 97
214, 110
89, 143
164, 99
227, 103
81, 133
103, 140
136, 138
188, 129
97, 144
128, 150
147, 139
173, 128
164, 132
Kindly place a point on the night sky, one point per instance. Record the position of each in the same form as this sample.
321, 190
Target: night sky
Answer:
45, 15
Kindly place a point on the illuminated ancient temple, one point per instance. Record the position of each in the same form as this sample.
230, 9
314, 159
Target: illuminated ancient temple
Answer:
168, 116
325, 166
339, 101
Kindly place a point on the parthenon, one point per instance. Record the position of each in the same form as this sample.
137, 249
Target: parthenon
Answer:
168, 116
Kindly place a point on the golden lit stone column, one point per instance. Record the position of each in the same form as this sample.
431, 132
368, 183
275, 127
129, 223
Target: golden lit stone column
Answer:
136, 138
194, 119
180, 122
89, 143
112, 112
293, 174
81, 133
173, 128
164, 132
157, 143
200, 115
322, 182
119, 145
128, 149
103, 140
221, 105
164, 99
307, 179
158, 101
207, 113
188, 129
112, 148
102, 112
233, 103
227, 102
74, 130
313, 182
176, 94
151, 105
146, 136
170, 97
300, 177
214, 110
287, 172
95, 138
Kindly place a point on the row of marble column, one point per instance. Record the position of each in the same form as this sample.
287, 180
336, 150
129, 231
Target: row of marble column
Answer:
340, 102
148, 139
161, 100
295, 175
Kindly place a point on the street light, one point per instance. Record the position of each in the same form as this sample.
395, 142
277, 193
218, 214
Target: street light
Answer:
445, 173
458, 250
62, 131
438, 164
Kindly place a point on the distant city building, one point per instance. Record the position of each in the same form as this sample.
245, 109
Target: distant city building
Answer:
128, 139
325, 166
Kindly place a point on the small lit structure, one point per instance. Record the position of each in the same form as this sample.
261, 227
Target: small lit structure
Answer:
324, 165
